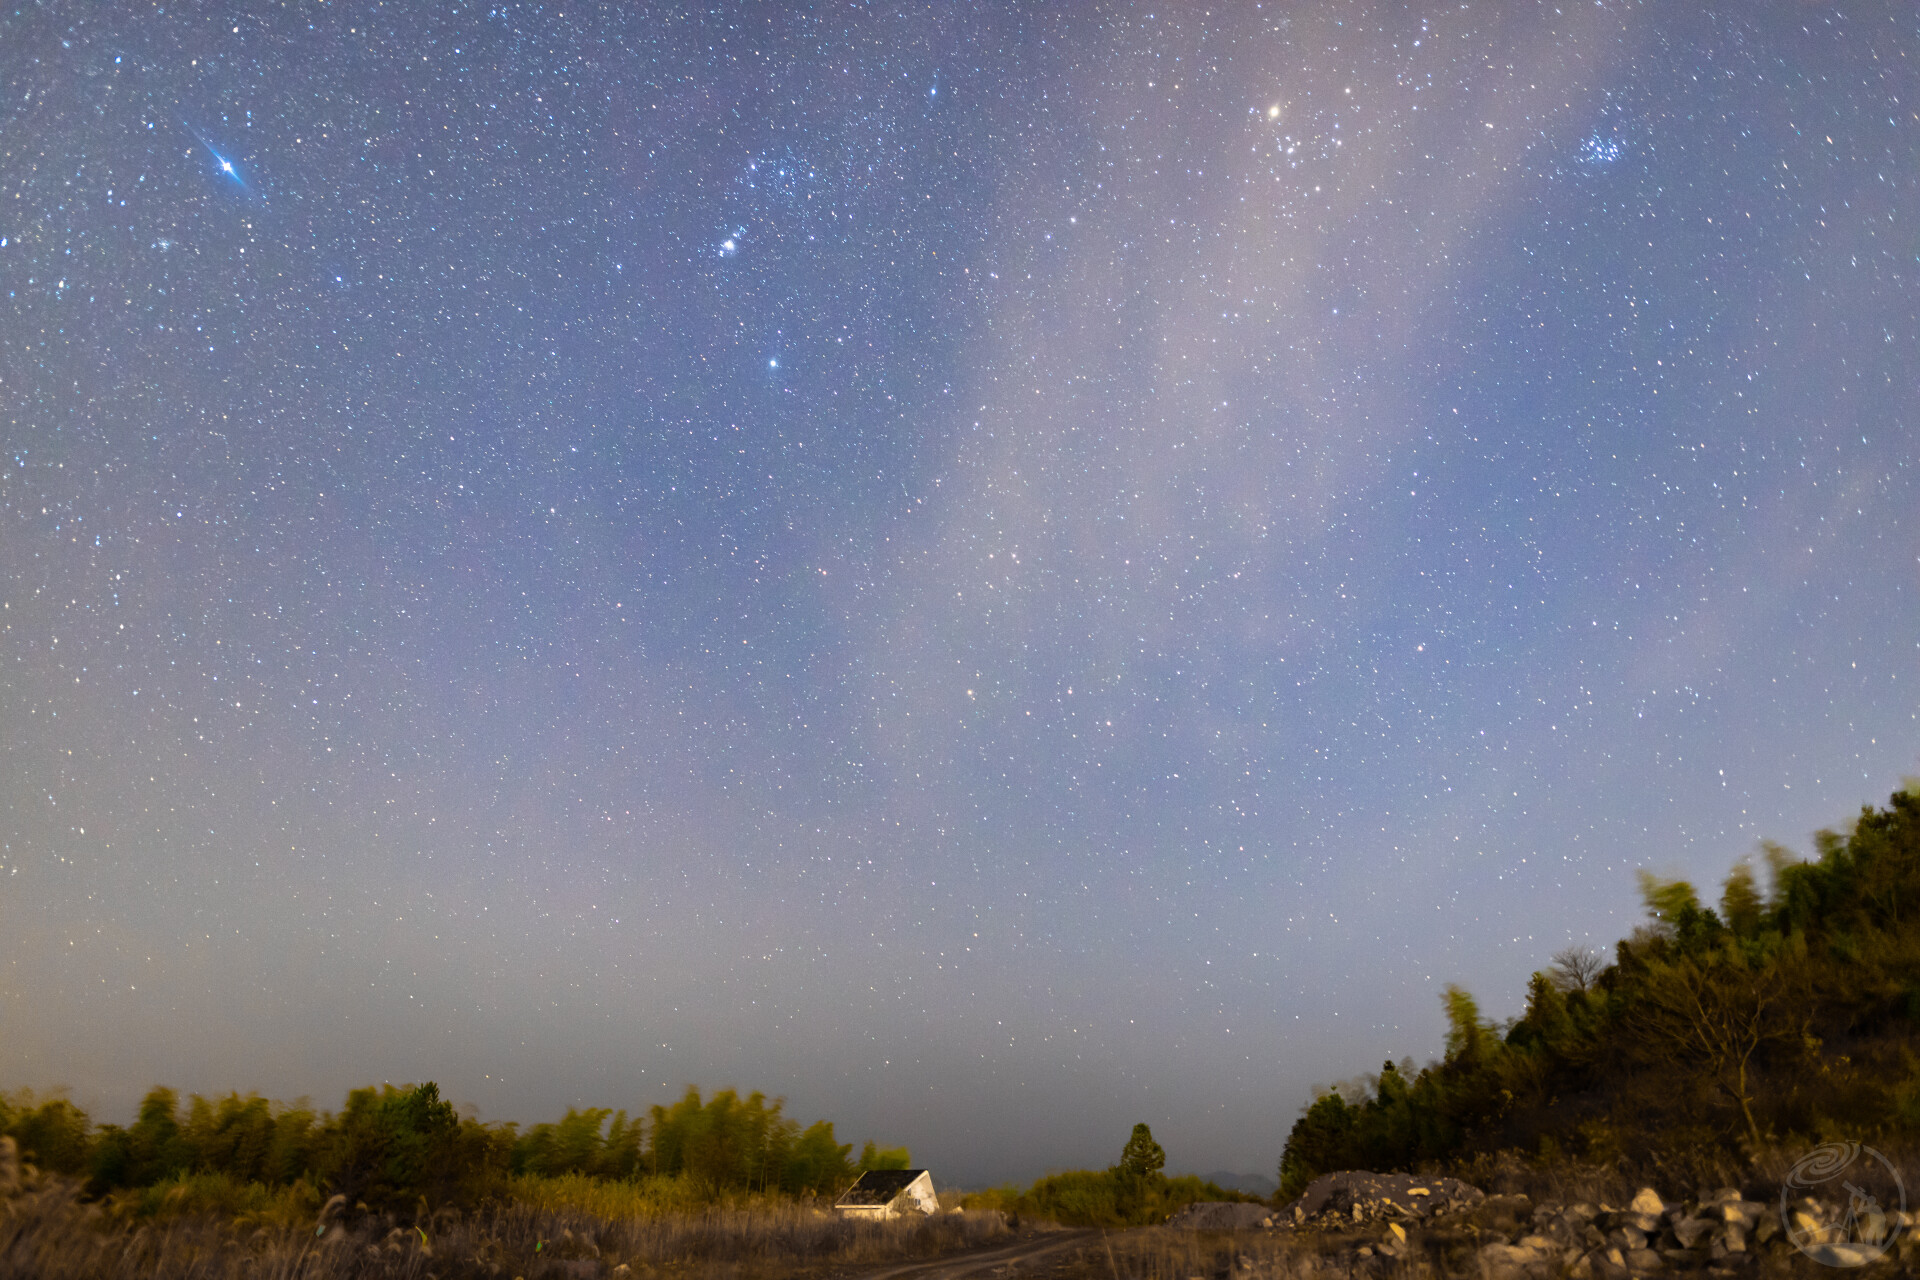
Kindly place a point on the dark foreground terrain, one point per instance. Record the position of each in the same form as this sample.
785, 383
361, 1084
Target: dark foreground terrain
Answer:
1345, 1224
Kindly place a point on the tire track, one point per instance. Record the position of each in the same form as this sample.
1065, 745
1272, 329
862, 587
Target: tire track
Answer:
952, 1268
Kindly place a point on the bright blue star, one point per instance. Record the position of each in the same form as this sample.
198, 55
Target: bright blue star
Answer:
224, 165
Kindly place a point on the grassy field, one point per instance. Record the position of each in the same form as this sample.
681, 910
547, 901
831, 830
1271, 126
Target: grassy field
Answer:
209, 1228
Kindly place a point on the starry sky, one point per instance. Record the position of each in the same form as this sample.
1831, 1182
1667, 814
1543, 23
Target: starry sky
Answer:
996, 570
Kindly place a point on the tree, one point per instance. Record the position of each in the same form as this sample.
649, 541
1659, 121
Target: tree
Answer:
1469, 1039
878, 1157
391, 1147
1714, 1014
1575, 968
1142, 1156
1319, 1142
53, 1133
818, 1162
1740, 903
1546, 1022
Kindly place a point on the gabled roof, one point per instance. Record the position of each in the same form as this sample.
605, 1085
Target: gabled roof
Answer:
879, 1186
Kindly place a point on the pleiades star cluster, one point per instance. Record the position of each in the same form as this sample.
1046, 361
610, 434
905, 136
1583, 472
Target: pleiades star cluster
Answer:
997, 570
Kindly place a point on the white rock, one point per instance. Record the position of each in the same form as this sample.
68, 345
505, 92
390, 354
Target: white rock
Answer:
1648, 1201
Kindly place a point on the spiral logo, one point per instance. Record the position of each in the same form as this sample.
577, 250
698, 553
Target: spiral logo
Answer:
1862, 1229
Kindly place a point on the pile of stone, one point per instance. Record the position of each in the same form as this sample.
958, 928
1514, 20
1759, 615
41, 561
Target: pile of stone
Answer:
1722, 1234
1648, 1235
1360, 1222
1353, 1197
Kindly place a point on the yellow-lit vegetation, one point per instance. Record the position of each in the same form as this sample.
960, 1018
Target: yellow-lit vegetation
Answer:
209, 1227
1714, 1041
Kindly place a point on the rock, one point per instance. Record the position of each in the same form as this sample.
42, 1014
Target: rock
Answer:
1648, 1201
1691, 1232
1645, 1260
1357, 1196
1841, 1255
1625, 1238
1513, 1262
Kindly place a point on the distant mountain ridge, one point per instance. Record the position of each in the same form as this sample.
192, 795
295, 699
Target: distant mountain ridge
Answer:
1253, 1184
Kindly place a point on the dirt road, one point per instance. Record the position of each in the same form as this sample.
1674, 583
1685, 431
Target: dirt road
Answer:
1009, 1260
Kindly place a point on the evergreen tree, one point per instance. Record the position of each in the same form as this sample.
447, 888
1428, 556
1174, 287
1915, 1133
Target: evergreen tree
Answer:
1142, 1156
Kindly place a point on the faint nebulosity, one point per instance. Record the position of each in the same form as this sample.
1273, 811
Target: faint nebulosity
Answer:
1000, 571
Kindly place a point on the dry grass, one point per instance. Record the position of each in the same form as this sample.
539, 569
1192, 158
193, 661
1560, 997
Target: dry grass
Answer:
568, 1228
1157, 1253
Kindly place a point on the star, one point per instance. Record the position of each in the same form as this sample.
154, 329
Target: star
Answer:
224, 165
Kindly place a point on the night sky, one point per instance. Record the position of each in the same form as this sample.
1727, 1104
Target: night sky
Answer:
997, 571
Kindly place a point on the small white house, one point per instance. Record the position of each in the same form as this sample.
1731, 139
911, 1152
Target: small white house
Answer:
888, 1193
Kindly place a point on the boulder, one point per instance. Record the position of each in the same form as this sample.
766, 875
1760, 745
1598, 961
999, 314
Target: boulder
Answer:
1738, 1212
1648, 1201
1841, 1255
1627, 1237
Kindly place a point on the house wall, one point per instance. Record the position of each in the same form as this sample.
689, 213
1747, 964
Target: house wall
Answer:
920, 1190
879, 1212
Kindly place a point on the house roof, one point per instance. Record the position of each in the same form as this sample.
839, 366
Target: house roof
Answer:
879, 1186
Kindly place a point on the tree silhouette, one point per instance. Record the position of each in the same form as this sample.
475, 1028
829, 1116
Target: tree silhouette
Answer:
1142, 1156
1575, 968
